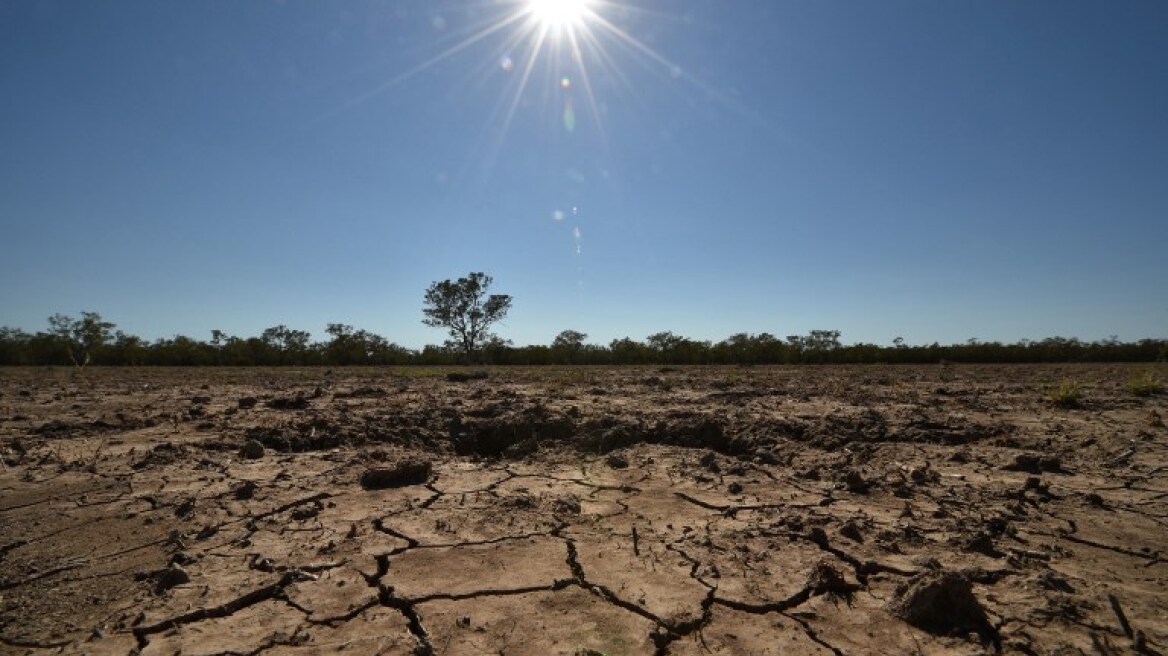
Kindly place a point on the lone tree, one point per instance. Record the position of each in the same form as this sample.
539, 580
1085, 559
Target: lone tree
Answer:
464, 308
82, 337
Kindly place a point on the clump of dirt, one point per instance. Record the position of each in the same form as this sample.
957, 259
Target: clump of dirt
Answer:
403, 473
466, 376
517, 433
252, 450
298, 402
363, 393
941, 602
1035, 464
825, 578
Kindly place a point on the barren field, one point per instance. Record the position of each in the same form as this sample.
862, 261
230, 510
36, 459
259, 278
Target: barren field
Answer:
584, 511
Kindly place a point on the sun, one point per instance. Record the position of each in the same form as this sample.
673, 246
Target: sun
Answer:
558, 13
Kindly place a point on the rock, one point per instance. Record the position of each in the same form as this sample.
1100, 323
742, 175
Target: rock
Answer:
252, 450
734, 488
405, 472
247, 402
941, 603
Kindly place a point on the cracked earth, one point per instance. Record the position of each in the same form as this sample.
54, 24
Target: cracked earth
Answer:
586, 511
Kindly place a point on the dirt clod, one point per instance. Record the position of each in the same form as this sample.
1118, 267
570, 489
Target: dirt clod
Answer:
851, 531
825, 578
171, 577
405, 472
252, 450
1035, 464
940, 602
465, 376
616, 461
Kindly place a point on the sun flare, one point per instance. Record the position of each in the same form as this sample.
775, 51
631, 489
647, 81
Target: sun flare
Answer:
558, 13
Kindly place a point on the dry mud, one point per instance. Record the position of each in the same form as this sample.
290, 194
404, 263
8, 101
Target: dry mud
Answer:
832, 510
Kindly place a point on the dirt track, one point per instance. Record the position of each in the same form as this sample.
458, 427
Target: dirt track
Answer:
834, 510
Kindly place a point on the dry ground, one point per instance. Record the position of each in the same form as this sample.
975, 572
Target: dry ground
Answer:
816, 510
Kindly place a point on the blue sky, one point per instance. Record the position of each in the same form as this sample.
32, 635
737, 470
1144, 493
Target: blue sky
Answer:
932, 170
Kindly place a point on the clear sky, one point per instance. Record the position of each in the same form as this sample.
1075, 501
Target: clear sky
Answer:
934, 170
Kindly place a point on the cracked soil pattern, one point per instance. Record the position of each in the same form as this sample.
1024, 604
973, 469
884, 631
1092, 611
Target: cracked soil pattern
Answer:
582, 511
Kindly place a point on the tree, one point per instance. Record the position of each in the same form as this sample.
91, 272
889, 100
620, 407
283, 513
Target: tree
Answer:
664, 343
82, 337
568, 345
464, 309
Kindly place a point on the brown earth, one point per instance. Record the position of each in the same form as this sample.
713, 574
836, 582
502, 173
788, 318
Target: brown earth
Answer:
583, 511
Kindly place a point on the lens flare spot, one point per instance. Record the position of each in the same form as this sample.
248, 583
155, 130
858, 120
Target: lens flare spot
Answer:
506, 63
565, 82
569, 117
558, 216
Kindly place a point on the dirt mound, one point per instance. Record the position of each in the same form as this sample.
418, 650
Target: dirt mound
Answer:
942, 603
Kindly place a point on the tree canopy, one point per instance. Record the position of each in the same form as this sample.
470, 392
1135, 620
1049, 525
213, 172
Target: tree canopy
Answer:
464, 308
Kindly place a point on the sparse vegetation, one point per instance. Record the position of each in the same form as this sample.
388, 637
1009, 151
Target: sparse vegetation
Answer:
1146, 383
1067, 394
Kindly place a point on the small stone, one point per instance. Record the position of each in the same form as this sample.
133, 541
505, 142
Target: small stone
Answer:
734, 488
247, 402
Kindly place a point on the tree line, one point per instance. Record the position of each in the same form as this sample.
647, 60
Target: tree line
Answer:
91, 340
